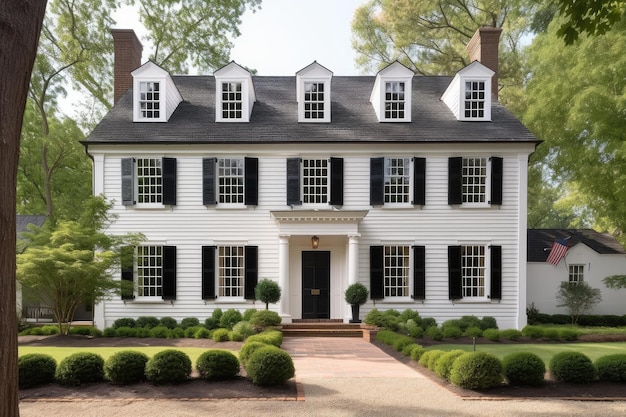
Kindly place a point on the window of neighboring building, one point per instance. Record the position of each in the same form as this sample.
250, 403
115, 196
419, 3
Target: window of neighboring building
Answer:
474, 180
315, 173
149, 181
314, 100
394, 100
576, 273
149, 271
149, 100
473, 271
397, 180
232, 103
231, 271
396, 264
230, 177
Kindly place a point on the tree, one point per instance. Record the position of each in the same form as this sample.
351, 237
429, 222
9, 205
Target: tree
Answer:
20, 25
577, 297
69, 262
267, 291
615, 281
592, 17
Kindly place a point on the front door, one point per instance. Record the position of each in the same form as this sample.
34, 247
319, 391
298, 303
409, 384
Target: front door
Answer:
315, 285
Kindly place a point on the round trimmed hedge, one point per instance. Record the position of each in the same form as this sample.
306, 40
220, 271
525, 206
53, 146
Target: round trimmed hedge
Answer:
126, 367
216, 364
443, 364
169, 366
612, 367
270, 337
270, 365
80, 368
248, 349
573, 367
524, 368
35, 369
476, 370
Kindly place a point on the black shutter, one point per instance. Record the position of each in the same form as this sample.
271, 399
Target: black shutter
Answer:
496, 181
251, 179
251, 267
208, 272
169, 181
454, 273
496, 272
169, 273
208, 181
128, 181
377, 181
455, 180
293, 182
419, 272
419, 181
377, 273
336, 181
127, 264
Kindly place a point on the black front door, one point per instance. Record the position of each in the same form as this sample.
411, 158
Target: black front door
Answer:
315, 285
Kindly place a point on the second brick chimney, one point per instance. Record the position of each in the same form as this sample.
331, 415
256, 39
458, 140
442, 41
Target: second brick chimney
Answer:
127, 58
483, 47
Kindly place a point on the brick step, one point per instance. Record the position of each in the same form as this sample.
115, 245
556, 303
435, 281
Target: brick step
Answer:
322, 329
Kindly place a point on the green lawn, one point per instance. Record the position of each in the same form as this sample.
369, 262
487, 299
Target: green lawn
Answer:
544, 350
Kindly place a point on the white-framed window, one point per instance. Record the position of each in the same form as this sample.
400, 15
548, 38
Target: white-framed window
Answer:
473, 271
315, 181
232, 102
394, 100
231, 271
396, 264
231, 180
475, 184
149, 100
398, 180
149, 181
474, 102
149, 271
576, 273
314, 100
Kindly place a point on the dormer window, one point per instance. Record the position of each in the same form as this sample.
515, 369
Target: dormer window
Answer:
235, 94
314, 100
469, 94
391, 96
474, 106
313, 94
149, 100
155, 96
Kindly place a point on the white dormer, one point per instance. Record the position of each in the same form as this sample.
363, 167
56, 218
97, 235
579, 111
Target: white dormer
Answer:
313, 93
469, 94
391, 96
234, 94
155, 96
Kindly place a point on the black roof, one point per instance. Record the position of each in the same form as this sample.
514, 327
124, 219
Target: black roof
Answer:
540, 241
274, 117
22, 221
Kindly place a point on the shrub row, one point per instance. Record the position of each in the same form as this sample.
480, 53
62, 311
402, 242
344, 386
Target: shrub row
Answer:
409, 322
583, 320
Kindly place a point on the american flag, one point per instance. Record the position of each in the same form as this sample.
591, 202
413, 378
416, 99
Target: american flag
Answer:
558, 251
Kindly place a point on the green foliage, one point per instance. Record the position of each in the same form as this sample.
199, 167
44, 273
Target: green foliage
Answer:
201, 333
85, 331
524, 368
386, 336
230, 318
80, 368
356, 294
220, 335
161, 332
168, 366
244, 329
270, 365
216, 315
126, 367
147, 321
189, 322
168, 322
409, 314
41, 331
124, 322
401, 341
413, 329
35, 369
452, 332
386, 320
589, 17
210, 323
473, 332
615, 281
217, 364
612, 367
269, 337
492, 334
430, 357
235, 337
434, 333
406, 350
551, 334
488, 322
247, 349
577, 297
568, 334
267, 291
247, 315
476, 370
109, 332
265, 318
428, 322
443, 365
510, 334
533, 332
126, 332
177, 333
190, 332
573, 367
417, 353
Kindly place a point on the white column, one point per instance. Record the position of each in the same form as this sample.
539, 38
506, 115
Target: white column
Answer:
283, 278
353, 259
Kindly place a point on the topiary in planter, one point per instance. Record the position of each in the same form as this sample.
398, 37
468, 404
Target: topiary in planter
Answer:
443, 364
265, 318
267, 291
80, 368
476, 370
573, 367
356, 295
169, 366
36, 369
270, 365
217, 364
524, 368
612, 367
126, 367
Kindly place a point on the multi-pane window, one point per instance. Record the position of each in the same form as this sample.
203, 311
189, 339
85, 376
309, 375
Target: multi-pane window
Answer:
149, 181
150, 271
230, 177
397, 180
149, 100
231, 271
474, 99
474, 180
473, 270
232, 103
315, 174
394, 100
396, 265
314, 100
576, 273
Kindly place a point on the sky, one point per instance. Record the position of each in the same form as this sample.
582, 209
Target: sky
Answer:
285, 36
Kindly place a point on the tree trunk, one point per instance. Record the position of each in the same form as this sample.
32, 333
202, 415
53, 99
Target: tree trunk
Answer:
20, 25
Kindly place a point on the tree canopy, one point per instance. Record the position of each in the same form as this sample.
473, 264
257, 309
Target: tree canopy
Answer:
591, 17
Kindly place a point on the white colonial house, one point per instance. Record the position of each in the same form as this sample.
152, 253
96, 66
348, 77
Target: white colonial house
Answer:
414, 186
591, 257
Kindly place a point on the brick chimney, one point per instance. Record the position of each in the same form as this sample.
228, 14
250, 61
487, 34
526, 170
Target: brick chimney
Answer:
483, 47
127, 58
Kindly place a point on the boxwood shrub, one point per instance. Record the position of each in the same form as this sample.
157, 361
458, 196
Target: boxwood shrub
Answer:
160, 332
270, 365
414, 329
443, 364
476, 370
220, 335
473, 332
524, 368
35, 369
190, 332
124, 322
247, 315
263, 319
126, 367
573, 367
406, 351
85, 331
168, 322
417, 352
244, 328
201, 333
147, 321
433, 358
452, 332
492, 334
386, 336
434, 333
235, 337
125, 331
533, 332
168, 366
230, 318
80, 368
387, 320
248, 349
568, 334
551, 334
488, 322
401, 341
511, 334
269, 337
612, 367
216, 364
189, 322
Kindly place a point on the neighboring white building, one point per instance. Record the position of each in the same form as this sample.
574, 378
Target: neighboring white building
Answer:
414, 186
591, 257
